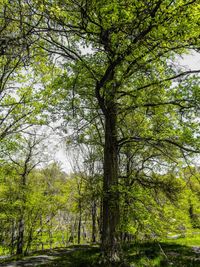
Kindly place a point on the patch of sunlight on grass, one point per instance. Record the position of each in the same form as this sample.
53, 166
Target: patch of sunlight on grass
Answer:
186, 241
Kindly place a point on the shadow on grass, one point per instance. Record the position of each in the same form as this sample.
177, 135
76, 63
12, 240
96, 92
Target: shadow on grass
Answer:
163, 254
138, 255
74, 256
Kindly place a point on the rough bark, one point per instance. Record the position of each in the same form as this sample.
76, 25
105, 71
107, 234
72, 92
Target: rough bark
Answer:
111, 216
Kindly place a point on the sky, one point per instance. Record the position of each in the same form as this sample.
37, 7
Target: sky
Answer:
189, 62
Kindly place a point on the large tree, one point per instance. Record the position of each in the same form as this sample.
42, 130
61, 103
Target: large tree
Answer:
128, 77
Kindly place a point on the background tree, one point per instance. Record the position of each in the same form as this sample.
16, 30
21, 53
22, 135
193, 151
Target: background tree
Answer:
23, 163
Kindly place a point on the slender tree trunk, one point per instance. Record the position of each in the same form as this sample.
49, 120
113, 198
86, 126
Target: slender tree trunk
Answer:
41, 232
111, 216
100, 219
79, 225
20, 238
94, 213
21, 224
50, 234
29, 240
12, 237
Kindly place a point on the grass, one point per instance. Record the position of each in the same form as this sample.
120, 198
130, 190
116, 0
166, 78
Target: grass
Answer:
72, 256
178, 253
79, 258
163, 254
189, 241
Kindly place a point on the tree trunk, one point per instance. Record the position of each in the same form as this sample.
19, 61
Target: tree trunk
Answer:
21, 224
12, 244
20, 238
94, 213
29, 241
79, 223
111, 216
126, 205
50, 234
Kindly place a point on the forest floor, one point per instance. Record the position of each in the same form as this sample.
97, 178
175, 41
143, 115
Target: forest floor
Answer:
140, 255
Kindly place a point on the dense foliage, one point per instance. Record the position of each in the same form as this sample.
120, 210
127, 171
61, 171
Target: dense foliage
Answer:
106, 76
